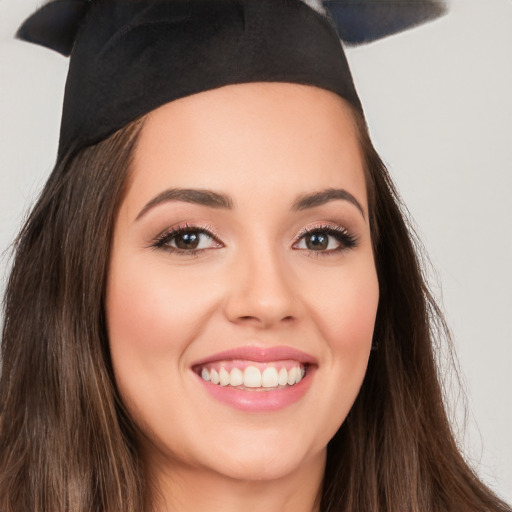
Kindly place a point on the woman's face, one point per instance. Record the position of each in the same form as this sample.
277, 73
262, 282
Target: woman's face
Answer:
242, 289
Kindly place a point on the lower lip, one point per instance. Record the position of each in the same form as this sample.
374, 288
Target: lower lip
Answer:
259, 401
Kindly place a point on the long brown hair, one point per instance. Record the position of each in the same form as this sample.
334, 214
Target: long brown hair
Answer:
67, 444
396, 450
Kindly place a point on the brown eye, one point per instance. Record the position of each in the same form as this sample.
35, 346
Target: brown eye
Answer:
328, 240
187, 241
317, 241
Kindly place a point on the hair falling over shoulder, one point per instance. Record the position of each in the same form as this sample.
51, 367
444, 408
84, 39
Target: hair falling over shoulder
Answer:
66, 442
396, 450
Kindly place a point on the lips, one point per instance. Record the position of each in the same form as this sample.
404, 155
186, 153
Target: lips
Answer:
260, 355
257, 379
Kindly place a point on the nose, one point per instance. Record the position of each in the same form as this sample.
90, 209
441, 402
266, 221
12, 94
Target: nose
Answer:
261, 291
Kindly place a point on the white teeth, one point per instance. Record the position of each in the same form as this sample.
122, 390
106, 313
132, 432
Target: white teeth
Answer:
236, 377
269, 378
252, 377
214, 377
223, 377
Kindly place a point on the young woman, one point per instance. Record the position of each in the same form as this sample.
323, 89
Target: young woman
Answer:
216, 303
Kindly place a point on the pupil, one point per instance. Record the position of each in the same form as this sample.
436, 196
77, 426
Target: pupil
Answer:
187, 241
317, 241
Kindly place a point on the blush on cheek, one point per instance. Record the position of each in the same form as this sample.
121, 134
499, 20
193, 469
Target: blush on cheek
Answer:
139, 343
154, 313
356, 323
349, 312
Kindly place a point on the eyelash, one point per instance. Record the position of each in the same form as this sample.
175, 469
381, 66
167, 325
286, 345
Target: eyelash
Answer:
342, 235
162, 241
346, 239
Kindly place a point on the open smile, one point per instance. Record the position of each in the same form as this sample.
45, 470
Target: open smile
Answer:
250, 375
257, 380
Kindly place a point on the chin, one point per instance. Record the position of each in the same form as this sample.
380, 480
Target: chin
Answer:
267, 454
266, 467
256, 454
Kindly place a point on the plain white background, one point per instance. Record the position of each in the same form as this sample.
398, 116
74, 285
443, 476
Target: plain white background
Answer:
439, 103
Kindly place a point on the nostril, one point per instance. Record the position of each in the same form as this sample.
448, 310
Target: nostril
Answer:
249, 318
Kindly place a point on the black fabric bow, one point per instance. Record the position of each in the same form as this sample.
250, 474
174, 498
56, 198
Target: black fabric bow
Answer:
128, 57
363, 21
56, 24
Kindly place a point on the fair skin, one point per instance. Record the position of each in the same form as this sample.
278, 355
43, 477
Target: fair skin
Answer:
259, 268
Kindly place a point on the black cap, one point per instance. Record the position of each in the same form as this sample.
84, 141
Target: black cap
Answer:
129, 57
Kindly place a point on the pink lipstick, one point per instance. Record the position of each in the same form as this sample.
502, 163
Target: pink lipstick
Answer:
256, 379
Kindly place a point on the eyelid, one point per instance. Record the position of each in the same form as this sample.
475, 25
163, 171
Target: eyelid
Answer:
347, 239
160, 241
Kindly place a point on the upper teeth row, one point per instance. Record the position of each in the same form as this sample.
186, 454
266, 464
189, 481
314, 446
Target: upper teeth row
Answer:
251, 377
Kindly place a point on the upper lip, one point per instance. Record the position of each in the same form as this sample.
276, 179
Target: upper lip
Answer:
260, 355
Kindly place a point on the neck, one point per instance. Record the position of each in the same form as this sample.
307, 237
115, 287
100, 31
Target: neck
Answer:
186, 489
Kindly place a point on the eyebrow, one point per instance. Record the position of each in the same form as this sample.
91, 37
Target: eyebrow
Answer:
223, 201
331, 194
189, 195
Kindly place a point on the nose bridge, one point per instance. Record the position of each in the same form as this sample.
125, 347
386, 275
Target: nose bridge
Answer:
262, 290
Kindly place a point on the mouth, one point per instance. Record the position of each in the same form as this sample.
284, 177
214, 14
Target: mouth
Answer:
253, 376
255, 379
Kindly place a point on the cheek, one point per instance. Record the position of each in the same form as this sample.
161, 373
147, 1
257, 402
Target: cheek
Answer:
136, 310
152, 317
345, 305
145, 305
351, 324
344, 313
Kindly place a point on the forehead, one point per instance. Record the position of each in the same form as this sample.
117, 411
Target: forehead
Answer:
260, 139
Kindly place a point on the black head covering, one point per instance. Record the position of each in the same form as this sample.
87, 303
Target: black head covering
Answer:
364, 21
129, 57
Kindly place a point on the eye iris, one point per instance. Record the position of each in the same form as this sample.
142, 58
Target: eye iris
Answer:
317, 241
187, 241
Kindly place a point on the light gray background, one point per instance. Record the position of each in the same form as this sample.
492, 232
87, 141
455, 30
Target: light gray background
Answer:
439, 103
